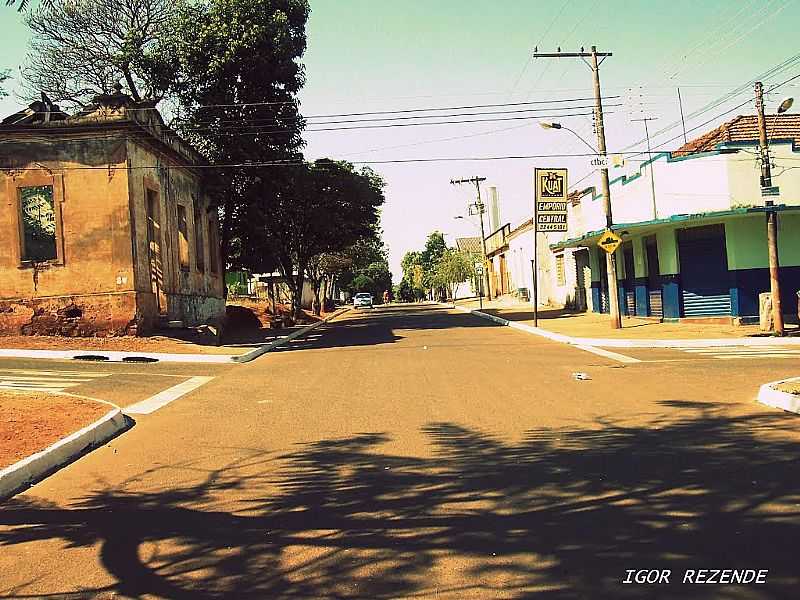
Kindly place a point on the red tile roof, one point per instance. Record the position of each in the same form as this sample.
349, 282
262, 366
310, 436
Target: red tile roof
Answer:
744, 128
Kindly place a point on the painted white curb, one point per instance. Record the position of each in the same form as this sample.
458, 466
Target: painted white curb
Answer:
119, 356
615, 343
116, 356
769, 395
556, 337
28, 471
253, 354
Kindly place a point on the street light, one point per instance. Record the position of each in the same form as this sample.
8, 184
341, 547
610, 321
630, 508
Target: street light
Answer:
549, 125
785, 105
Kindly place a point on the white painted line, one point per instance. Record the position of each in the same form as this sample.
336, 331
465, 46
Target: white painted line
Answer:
612, 355
153, 403
65, 372
556, 337
765, 355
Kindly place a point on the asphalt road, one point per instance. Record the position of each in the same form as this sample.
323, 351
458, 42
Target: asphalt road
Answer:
419, 452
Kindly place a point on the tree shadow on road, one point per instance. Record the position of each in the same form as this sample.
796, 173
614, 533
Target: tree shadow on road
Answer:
383, 325
561, 513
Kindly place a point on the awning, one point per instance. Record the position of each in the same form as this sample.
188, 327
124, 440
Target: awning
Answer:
645, 227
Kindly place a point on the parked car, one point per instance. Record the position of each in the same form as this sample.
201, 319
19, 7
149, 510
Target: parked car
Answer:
362, 300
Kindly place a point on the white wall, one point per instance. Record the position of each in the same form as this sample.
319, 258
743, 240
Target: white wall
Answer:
687, 186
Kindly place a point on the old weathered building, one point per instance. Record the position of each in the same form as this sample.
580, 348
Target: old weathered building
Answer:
105, 223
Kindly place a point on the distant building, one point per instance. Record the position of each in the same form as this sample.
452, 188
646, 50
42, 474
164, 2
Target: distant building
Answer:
106, 225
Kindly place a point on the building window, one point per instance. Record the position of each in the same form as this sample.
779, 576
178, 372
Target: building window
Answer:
560, 276
37, 210
199, 246
183, 238
212, 244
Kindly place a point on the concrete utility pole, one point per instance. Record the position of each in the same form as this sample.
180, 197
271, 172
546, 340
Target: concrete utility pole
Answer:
772, 215
611, 262
479, 206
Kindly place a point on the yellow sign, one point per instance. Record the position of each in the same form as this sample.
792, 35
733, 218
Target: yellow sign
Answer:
550, 208
609, 241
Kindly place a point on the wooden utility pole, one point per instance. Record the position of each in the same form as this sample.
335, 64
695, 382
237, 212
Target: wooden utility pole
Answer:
479, 206
611, 262
772, 215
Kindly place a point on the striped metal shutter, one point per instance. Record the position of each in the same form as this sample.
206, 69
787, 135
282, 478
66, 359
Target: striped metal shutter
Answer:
656, 304
696, 305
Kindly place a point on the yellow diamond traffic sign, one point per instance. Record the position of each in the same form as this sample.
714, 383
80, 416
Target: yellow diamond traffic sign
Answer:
609, 241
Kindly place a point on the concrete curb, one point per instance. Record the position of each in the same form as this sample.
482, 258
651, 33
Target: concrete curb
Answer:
261, 350
770, 396
119, 356
116, 356
28, 471
615, 343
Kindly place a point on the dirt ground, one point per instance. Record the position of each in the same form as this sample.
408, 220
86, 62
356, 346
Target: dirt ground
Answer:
242, 336
31, 421
791, 387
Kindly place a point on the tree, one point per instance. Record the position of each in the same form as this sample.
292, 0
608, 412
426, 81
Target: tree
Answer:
453, 268
81, 49
435, 247
236, 85
324, 208
3, 78
413, 274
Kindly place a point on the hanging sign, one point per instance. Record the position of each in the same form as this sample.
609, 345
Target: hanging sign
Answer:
550, 210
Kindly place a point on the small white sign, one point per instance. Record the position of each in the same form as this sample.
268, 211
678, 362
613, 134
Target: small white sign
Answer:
598, 162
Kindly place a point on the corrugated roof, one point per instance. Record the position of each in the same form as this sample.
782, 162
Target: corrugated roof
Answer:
469, 244
744, 128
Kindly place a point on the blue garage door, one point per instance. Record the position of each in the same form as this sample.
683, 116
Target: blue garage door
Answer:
704, 271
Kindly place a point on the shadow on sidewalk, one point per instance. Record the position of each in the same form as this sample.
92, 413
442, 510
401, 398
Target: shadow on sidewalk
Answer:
562, 513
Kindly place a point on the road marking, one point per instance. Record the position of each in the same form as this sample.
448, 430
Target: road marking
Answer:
160, 400
608, 354
738, 352
52, 381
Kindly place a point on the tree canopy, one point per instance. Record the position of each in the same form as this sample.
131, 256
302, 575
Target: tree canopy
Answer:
81, 49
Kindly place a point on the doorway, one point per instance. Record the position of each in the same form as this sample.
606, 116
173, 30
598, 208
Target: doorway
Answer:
155, 249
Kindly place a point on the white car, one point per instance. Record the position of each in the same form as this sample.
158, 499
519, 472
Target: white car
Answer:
362, 300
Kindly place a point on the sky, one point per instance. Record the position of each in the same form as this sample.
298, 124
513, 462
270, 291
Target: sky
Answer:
387, 55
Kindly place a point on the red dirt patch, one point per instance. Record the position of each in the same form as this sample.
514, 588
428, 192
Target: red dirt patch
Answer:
31, 421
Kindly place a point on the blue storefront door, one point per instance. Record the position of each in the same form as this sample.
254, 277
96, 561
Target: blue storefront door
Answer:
705, 286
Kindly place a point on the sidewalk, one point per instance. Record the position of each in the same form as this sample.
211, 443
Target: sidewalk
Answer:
594, 328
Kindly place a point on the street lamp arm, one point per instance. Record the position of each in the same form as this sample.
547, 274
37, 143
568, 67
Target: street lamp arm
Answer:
588, 145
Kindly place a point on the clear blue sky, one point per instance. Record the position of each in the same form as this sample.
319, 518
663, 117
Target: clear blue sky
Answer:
370, 55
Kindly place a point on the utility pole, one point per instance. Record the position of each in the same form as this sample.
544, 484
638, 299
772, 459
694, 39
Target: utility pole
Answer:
650, 159
479, 206
611, 262
772, 215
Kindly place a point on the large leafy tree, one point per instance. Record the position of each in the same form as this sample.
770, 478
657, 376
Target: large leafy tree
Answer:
435, 247
239, 74
315, 209
454, 267
82, 48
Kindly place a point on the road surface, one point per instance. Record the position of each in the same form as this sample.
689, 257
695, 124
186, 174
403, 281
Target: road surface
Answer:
417, 452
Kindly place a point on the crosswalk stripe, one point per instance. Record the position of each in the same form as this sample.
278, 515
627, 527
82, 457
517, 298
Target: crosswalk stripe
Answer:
741, 352
46, 380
